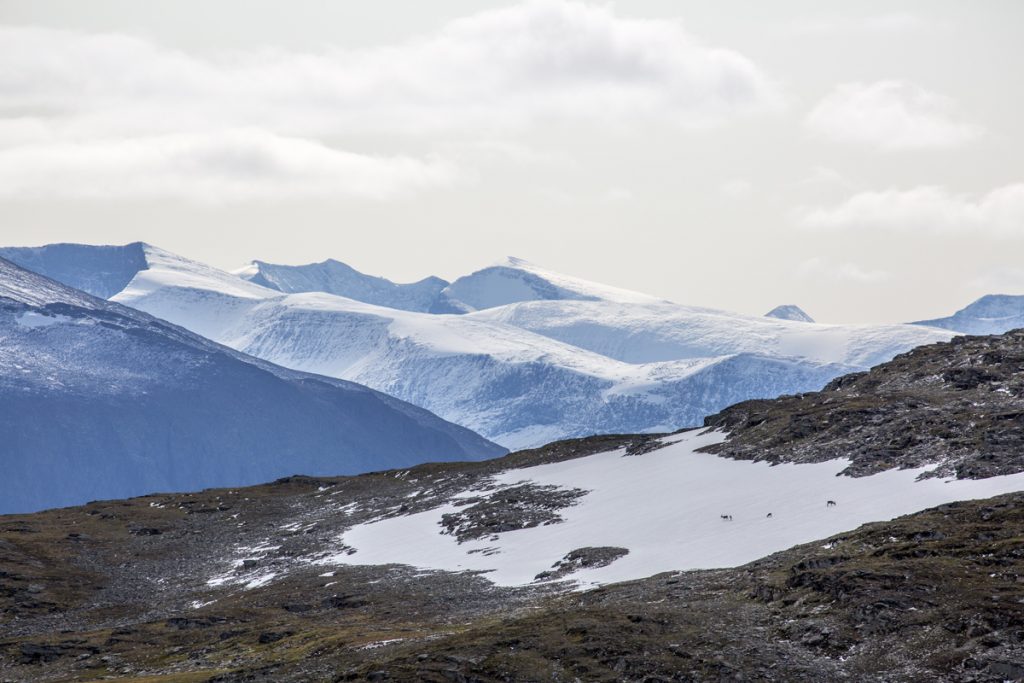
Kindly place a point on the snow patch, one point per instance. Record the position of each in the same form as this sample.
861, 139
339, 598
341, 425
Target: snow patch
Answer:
666, 508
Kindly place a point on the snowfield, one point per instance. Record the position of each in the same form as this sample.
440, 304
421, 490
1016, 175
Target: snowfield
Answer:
665, 507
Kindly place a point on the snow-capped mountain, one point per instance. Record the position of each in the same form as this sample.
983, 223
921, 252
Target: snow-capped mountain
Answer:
654, 332
102, 271
519, 388
99, 400
789, 312
335, 277
991, 314
510, 280
513, 280
565, 358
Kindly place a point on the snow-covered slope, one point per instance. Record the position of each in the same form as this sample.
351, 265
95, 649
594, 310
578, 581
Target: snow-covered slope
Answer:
515, 280
98, 400
991, 314
789, 312
511, 385
664, 507
635, 333
335, 277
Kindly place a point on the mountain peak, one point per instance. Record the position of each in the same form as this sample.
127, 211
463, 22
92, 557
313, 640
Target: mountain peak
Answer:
514, 280
990, 314
515, 262
789, 312
338, 278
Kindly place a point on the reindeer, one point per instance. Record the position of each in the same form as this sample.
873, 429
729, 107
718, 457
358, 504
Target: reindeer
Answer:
830, 504
769, 515
727, 518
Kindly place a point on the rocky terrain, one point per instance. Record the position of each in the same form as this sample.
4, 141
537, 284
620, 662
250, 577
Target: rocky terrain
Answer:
236, 584
930, 597
959, 404
174, 585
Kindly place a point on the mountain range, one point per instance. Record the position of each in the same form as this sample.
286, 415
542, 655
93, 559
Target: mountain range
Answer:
530, 357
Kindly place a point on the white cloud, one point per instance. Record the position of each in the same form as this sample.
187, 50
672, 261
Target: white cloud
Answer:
229, 166
507, 67
91, 115
998, 213
890, 115
816, 268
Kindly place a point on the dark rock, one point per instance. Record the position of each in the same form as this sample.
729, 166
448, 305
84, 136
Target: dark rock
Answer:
273, 636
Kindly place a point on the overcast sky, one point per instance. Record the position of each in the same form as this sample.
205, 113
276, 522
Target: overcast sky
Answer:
862, 160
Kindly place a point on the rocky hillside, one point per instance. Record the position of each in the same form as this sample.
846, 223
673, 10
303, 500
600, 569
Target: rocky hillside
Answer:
931, 597
959, 405
113, 590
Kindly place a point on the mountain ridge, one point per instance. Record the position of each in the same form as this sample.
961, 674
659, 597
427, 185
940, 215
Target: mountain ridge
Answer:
335, 277
100, 270
789, 312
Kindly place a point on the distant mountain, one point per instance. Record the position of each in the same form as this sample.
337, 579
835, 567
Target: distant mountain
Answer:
991, 314
98, 400
509, 281
519, 388
526, 373
789, 312
514, 280
566, 358
636, 333
102, 271
335, 277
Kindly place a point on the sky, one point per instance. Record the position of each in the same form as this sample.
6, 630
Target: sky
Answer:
861, 160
